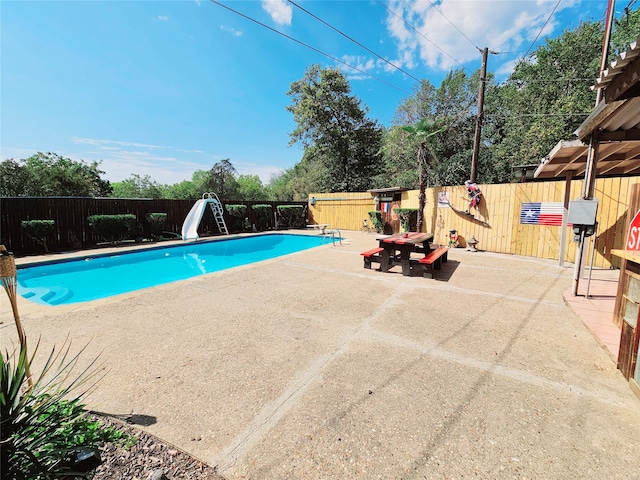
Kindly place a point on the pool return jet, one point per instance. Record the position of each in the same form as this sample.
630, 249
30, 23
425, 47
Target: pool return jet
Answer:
194, 217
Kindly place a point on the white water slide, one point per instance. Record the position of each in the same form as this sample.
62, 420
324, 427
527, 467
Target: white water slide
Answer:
194, 217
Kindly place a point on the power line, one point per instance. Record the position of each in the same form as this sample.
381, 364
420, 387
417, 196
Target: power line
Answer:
354, 41
540, 32
629, 5
308, 46
552, 80
419, 33
585, 46
453, 24
507, 115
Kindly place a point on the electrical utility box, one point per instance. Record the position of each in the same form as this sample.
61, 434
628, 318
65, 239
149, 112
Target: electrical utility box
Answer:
582, 215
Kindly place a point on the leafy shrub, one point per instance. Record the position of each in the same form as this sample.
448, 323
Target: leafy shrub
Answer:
237, 217
43, 427
156, 223
263, 215
38, 230
408, 218
236, 210
112, 228
292, 216
376, 220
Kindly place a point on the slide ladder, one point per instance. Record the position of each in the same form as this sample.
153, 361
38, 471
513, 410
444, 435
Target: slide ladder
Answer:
218, 213
191, 223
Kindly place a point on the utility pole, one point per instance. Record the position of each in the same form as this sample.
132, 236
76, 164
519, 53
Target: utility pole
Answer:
592, 154
605, 43
479, 116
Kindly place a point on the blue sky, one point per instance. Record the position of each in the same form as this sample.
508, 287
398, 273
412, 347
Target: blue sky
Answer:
165, 88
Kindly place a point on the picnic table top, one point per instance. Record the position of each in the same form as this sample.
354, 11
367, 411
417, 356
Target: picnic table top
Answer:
407, 238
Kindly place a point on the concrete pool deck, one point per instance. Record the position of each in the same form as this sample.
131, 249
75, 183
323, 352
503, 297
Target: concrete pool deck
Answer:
310, 366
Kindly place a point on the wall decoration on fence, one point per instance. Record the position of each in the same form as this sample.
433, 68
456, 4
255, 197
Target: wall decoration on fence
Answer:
542, 213
443, 199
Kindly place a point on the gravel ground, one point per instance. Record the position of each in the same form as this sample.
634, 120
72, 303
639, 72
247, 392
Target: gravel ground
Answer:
149, 458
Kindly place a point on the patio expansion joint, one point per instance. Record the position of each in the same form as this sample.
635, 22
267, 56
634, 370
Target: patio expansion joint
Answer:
274, 411
493, 368
410, 282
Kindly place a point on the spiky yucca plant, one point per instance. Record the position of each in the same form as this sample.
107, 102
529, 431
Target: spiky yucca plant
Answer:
43, 427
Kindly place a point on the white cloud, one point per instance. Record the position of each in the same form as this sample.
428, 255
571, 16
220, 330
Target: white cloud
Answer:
499, 25
360, 63
265, 172
506, 69
163, 18
164, 164
231, 30
94, 141
279, 10
120, 159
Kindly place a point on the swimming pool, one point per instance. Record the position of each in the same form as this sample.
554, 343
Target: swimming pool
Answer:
99, 276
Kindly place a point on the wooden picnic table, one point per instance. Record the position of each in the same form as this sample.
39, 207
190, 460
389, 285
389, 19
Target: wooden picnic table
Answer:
398, 249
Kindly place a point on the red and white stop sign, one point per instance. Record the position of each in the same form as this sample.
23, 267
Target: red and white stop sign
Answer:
633, 238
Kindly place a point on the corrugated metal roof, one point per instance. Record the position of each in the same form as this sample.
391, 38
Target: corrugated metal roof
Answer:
616, 121
620, 110
618, 65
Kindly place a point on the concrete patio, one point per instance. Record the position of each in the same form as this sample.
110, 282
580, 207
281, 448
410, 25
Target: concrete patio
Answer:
310, 366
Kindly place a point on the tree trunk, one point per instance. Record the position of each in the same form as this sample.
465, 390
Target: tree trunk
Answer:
422, 171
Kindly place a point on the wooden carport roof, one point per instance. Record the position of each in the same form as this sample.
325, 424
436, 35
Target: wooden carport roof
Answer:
615, 158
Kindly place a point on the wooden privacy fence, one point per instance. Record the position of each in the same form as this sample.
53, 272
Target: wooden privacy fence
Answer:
70, 214
500, 208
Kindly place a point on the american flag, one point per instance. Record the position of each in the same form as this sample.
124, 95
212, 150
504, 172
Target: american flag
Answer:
384, 207
537, 213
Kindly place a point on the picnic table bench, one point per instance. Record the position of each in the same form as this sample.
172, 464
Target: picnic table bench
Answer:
371, 256
433, 261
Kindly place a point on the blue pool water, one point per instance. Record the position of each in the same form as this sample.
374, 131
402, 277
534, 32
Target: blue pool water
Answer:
90, 278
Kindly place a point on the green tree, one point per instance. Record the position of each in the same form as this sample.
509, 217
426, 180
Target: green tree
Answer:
189, 189
222, 180
398, 151
308, 175
546, 97
626, 30
454, 104
14, 179
137, 186
423, 131
278, 188
333, 121
50, 174
418, 106
250, 188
